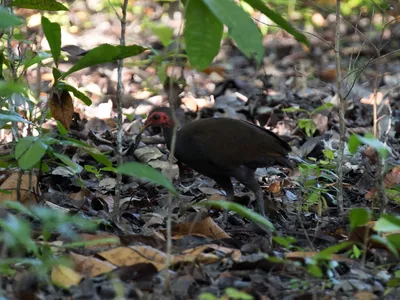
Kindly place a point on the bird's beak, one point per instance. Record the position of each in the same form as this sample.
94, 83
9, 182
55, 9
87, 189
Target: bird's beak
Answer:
139, 136
144, 127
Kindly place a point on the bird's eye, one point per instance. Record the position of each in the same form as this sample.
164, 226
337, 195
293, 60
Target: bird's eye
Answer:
156, 117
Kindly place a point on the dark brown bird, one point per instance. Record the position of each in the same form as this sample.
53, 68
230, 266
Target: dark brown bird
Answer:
221, 148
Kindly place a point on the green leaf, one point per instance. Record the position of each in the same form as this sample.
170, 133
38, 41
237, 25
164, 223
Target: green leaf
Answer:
29, 151
8, 20
293, 109
103, 241
67, 161
163, 32
37, 58
359, 217
7, 88
50, 5
18, 206
52, 31
207, 296
9, 116
99, 157
147, 173
279, 20
387, 223
285, 242
61, 128
91, 169
354, 143
315, 270
241, 27
394, 239
386, 243
78, 94
322, 107
233, 293
18, 232
243, 211
103, 54
56, 74
203, 33
327, 253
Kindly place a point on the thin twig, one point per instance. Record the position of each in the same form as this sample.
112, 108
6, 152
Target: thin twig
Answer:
380, 186
342, 109
173, 145
119, 113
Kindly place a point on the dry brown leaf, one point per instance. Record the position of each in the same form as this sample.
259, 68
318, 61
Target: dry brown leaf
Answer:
370, 100
90, 266
62, 108
11, 185
220, 70
321, 121
391, 179
128, 256
275, 187
64, 276
365, 295
206, 227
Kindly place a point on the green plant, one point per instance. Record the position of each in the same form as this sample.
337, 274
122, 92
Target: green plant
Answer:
307, 123
316, 181
39, 255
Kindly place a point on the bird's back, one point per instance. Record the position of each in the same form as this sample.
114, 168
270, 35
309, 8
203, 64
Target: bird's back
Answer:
229, 143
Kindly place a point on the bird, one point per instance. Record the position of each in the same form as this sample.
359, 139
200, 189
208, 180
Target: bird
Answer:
222, 148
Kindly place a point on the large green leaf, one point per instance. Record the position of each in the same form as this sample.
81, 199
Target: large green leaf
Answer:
278, 19
387, 243
327, 253
203, 33
146, 172
29, 151
387, 223
7, 88
358, 217
8, 20
52, 31
103, 54
243, 211
242, 28
8, 116
50, 5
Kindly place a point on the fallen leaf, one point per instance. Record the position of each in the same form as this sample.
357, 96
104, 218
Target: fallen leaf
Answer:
62, 108
90, 266
129, 256
11, 185
206, 227
65, 277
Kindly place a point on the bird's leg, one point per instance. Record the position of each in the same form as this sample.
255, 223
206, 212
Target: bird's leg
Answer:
246, 177
226, 184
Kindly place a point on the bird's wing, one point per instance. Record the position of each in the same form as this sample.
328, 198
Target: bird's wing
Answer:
229, 143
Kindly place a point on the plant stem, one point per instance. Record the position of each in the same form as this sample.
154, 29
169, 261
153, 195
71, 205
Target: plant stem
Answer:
342, 109
119, 113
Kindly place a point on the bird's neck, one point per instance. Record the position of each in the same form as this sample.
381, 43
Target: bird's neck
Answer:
167, 133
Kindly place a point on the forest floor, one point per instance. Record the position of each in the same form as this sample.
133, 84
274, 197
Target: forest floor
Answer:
237, 262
